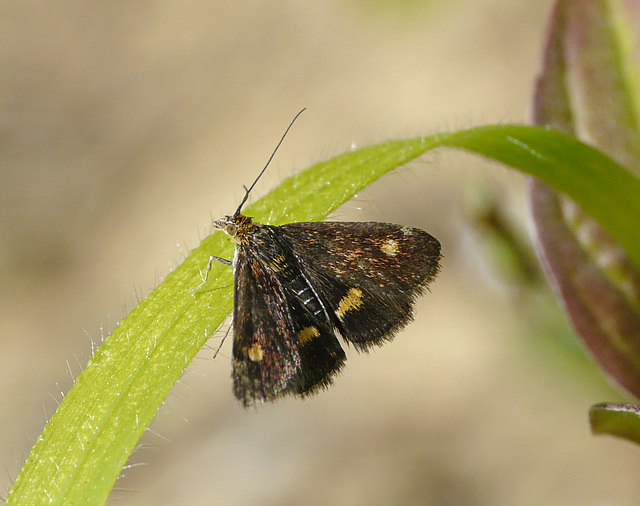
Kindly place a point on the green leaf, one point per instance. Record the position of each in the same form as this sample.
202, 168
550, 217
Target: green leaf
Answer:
621, 420
84, 446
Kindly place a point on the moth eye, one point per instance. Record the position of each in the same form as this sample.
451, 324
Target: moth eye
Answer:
230, 229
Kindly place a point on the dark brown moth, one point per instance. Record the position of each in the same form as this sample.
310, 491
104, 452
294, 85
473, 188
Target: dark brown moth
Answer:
300, 286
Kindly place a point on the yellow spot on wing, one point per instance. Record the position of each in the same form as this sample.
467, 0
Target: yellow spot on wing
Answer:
353, 300
307, 334
390, 247
255, 352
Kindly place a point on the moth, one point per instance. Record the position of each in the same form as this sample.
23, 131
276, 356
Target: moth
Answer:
299, 287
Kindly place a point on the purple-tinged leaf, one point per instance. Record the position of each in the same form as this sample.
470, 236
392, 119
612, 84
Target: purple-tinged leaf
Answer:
584, 90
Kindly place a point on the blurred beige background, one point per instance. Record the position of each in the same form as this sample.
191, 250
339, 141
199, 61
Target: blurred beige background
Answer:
127, 125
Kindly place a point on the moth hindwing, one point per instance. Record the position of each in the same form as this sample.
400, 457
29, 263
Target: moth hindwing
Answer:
298, 287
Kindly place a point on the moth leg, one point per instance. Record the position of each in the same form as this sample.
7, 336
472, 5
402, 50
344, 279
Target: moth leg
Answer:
224, 261
215, 354
206, 271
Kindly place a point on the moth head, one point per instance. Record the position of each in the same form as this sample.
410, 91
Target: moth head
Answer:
234, 226
239, 225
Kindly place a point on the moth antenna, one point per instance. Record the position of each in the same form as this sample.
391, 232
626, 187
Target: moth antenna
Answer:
247, 191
